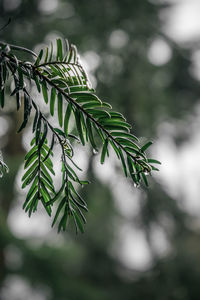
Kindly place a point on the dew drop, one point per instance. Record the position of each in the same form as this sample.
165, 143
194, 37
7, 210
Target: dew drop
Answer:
95, 151
136, 185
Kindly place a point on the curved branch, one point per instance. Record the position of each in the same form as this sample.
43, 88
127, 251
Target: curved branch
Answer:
18, 48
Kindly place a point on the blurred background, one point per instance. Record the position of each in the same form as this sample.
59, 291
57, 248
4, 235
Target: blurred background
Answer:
143, 57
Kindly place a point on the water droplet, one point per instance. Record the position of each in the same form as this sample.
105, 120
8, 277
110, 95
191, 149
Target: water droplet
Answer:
146, 173
136, 185
1, 175
95, 151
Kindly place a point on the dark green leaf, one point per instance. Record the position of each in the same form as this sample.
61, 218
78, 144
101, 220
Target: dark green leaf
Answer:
35, 120
123, 161
113, 122
43, 136
74, 164
90, 134
145, 179
46, 173
44, 91
107, 105
115, 148
60, 206
99, 114
76, 193
31, 169
127, 142
39, 57
79, 125
47, 177
59, 50
2, 97
60, 109
91, 104
104, 151
51, 52
32, 204
57, 196
153, 161
77, 222
49, 166
52, 100
73, 174
154, 169
76, 203
27, 111
132, 169
31, 158
63, 222
32, 192
49, 186
34, 149
136, 152
67, 118
30, 178
115, 127
117, 115
125, 135
46, 55
147, 145
37, 82
50, 149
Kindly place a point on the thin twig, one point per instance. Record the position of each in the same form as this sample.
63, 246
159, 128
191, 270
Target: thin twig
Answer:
18, 48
